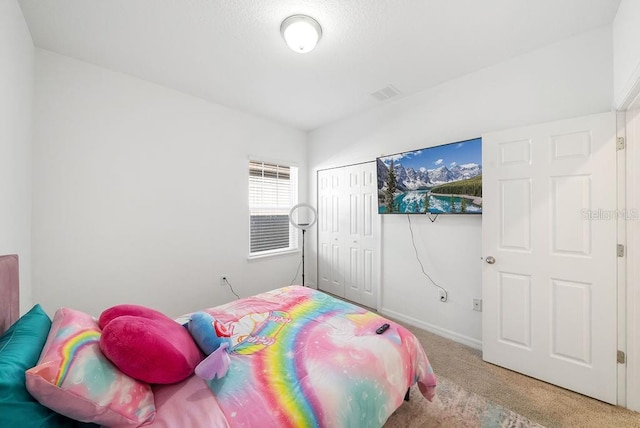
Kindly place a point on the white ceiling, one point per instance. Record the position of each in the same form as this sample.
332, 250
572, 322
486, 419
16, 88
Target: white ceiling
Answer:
231, 52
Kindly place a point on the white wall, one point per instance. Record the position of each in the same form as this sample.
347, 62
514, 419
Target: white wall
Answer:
140, 193
16, 105
567, 79
626, 52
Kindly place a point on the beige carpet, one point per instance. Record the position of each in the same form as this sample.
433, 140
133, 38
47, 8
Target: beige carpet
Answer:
459, 366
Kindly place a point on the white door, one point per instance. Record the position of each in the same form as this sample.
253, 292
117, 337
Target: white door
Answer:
331, 191
549, 243
348, 233
361, 237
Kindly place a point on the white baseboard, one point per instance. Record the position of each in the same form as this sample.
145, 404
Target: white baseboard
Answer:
465, 340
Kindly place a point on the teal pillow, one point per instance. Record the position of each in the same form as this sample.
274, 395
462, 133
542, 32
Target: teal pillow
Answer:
20, 348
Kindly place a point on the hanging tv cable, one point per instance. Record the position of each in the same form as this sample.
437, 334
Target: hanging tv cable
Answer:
443, 293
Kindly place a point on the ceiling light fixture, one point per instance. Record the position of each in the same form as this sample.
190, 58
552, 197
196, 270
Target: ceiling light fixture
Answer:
301, 32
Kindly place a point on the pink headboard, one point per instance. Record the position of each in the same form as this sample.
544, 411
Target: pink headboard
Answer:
9, 289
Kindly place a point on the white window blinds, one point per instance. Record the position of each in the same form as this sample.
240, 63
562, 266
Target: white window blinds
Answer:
273, 190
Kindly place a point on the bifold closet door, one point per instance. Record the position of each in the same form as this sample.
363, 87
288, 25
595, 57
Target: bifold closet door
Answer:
349, 233
331, 207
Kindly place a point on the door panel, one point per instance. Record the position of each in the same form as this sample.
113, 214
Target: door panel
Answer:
549, 220
515, 214
571, 335
514, 319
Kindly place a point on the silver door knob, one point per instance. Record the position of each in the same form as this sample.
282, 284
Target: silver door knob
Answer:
490, 260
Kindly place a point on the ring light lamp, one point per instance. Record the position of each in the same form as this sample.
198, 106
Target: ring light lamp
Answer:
303, 216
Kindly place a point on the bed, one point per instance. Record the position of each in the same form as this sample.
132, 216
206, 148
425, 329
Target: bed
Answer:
297, 357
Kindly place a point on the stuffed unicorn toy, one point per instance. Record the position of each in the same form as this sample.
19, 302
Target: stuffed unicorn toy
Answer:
213, 339
247, 335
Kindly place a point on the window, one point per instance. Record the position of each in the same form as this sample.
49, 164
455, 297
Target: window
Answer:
273, 190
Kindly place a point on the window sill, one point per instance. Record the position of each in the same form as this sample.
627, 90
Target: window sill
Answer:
273, 254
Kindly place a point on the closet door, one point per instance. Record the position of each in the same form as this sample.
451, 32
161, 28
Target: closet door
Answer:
331, 189
361, 237
349, 233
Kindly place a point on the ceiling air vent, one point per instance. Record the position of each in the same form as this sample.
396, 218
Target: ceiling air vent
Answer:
385, 93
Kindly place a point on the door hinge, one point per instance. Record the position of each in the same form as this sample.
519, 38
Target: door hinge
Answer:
622, 358
620, 143
620, 250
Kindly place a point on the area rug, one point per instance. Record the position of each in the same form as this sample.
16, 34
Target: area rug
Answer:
454, 407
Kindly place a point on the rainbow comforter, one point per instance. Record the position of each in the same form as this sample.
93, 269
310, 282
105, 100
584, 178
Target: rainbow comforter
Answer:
301, 358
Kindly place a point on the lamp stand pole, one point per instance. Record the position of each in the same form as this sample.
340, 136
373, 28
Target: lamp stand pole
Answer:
303, 230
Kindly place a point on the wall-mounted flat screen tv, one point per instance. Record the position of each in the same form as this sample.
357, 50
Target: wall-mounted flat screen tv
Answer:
445, 179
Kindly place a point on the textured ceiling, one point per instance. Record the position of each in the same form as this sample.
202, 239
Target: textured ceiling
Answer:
231, 52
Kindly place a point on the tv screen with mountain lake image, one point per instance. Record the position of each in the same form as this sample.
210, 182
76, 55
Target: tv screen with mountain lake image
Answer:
445, 179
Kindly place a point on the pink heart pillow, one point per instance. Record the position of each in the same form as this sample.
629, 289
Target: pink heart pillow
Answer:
135, 310
148, 345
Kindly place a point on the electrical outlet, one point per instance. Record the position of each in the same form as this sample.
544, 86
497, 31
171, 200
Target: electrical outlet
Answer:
477, 305
223, 280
